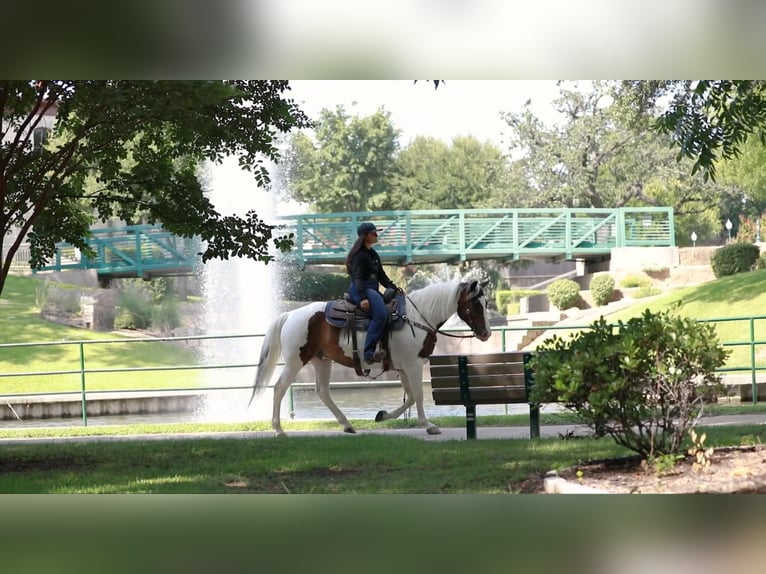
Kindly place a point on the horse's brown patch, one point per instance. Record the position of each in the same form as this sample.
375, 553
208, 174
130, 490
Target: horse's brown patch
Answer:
322, 341
429, 343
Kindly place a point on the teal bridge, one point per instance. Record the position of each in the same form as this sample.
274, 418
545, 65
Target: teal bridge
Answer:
472, 234
144, 251
404, 237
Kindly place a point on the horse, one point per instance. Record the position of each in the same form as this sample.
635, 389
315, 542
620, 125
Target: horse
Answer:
303, 336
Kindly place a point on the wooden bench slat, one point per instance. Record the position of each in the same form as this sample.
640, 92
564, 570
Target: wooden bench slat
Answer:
487, 381
481, 395
479, 370
510, 357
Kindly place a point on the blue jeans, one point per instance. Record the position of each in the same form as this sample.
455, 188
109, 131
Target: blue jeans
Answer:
377, 313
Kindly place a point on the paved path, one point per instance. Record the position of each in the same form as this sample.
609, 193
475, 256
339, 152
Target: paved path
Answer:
520, 432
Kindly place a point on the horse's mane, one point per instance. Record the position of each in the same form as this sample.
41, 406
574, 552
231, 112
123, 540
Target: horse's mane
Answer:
436, 299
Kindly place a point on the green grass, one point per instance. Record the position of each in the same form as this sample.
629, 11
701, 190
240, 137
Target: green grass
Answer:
306, 464
735, 296
22, 323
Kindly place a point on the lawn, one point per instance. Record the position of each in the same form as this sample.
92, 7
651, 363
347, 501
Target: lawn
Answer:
343, 464
22, 323
736, 296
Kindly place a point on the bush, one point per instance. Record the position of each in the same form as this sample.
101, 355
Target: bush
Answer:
563, 293
602, 289
640, 382
166, 315
762, 261
734, 258
135, 307
297, 285
635, 280
504, 297
646, 291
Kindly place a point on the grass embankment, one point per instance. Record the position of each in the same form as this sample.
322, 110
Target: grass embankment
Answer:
306, 464
736, 296
21, 323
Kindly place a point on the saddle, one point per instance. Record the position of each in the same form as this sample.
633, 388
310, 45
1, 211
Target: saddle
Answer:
345, 314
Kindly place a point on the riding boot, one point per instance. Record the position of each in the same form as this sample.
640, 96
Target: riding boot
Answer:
376, 357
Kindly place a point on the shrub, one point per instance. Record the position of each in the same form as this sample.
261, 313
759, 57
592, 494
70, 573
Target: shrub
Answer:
635, 280
64, 301
734, 258
646, 291
602, 289
166, 315
297, 285
762, 261
135, 306
563, 293
503, 297
640, 382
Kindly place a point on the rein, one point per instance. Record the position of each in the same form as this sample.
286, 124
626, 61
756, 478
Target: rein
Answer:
430, 328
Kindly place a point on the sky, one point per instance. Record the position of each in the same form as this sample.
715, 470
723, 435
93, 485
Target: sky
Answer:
456, 108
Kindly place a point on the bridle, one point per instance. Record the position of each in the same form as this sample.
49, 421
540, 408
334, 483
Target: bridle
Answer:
431, 330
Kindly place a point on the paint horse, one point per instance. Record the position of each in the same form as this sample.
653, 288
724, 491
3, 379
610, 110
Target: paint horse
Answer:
304, 336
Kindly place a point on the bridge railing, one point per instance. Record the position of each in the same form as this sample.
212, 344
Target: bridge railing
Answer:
440, 235
133, 250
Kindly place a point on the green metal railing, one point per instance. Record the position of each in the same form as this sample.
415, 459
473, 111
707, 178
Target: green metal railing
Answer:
429, 236
130, 251
756, 337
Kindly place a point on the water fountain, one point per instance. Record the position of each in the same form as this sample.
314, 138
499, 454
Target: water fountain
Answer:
239, 299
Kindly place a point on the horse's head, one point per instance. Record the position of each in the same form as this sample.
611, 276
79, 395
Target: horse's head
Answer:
472, 308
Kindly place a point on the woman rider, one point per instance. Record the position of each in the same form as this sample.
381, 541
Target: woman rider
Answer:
367, 274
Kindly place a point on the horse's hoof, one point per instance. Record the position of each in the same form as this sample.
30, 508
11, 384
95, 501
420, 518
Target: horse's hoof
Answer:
381, 416
349, 430
434, 430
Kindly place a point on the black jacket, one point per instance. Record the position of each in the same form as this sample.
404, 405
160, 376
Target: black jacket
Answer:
366, 267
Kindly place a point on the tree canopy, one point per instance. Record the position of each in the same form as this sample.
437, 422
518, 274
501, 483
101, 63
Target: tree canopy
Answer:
124, 148
708, 120
348, 165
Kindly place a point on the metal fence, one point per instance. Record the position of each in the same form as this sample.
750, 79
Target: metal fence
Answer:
744, 364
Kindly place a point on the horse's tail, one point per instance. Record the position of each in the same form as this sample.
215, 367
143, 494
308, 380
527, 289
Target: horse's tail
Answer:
270, 351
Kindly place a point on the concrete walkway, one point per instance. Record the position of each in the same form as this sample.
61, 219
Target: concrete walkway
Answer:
454, 434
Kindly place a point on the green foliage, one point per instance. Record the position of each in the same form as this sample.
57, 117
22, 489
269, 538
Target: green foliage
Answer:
640, 382
602, 289
41, 294
431, 174
563, 293
166, 315
635, 280
646, 291
135, 307
762, 261
734, 258
136, 148
303, 285
505, 296
347, 166
709, 119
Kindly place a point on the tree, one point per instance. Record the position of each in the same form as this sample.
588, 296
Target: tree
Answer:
596, 157
119, 148
433, 175
347, 166
708, 120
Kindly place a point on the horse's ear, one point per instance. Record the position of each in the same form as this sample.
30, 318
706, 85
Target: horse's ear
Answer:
484, 283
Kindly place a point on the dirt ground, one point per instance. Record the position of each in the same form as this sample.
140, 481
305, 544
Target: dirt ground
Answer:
736, 470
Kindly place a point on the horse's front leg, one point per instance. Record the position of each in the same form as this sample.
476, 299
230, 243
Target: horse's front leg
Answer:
412, 382
322, 368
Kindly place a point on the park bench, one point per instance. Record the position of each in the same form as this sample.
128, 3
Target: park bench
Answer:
484, 379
